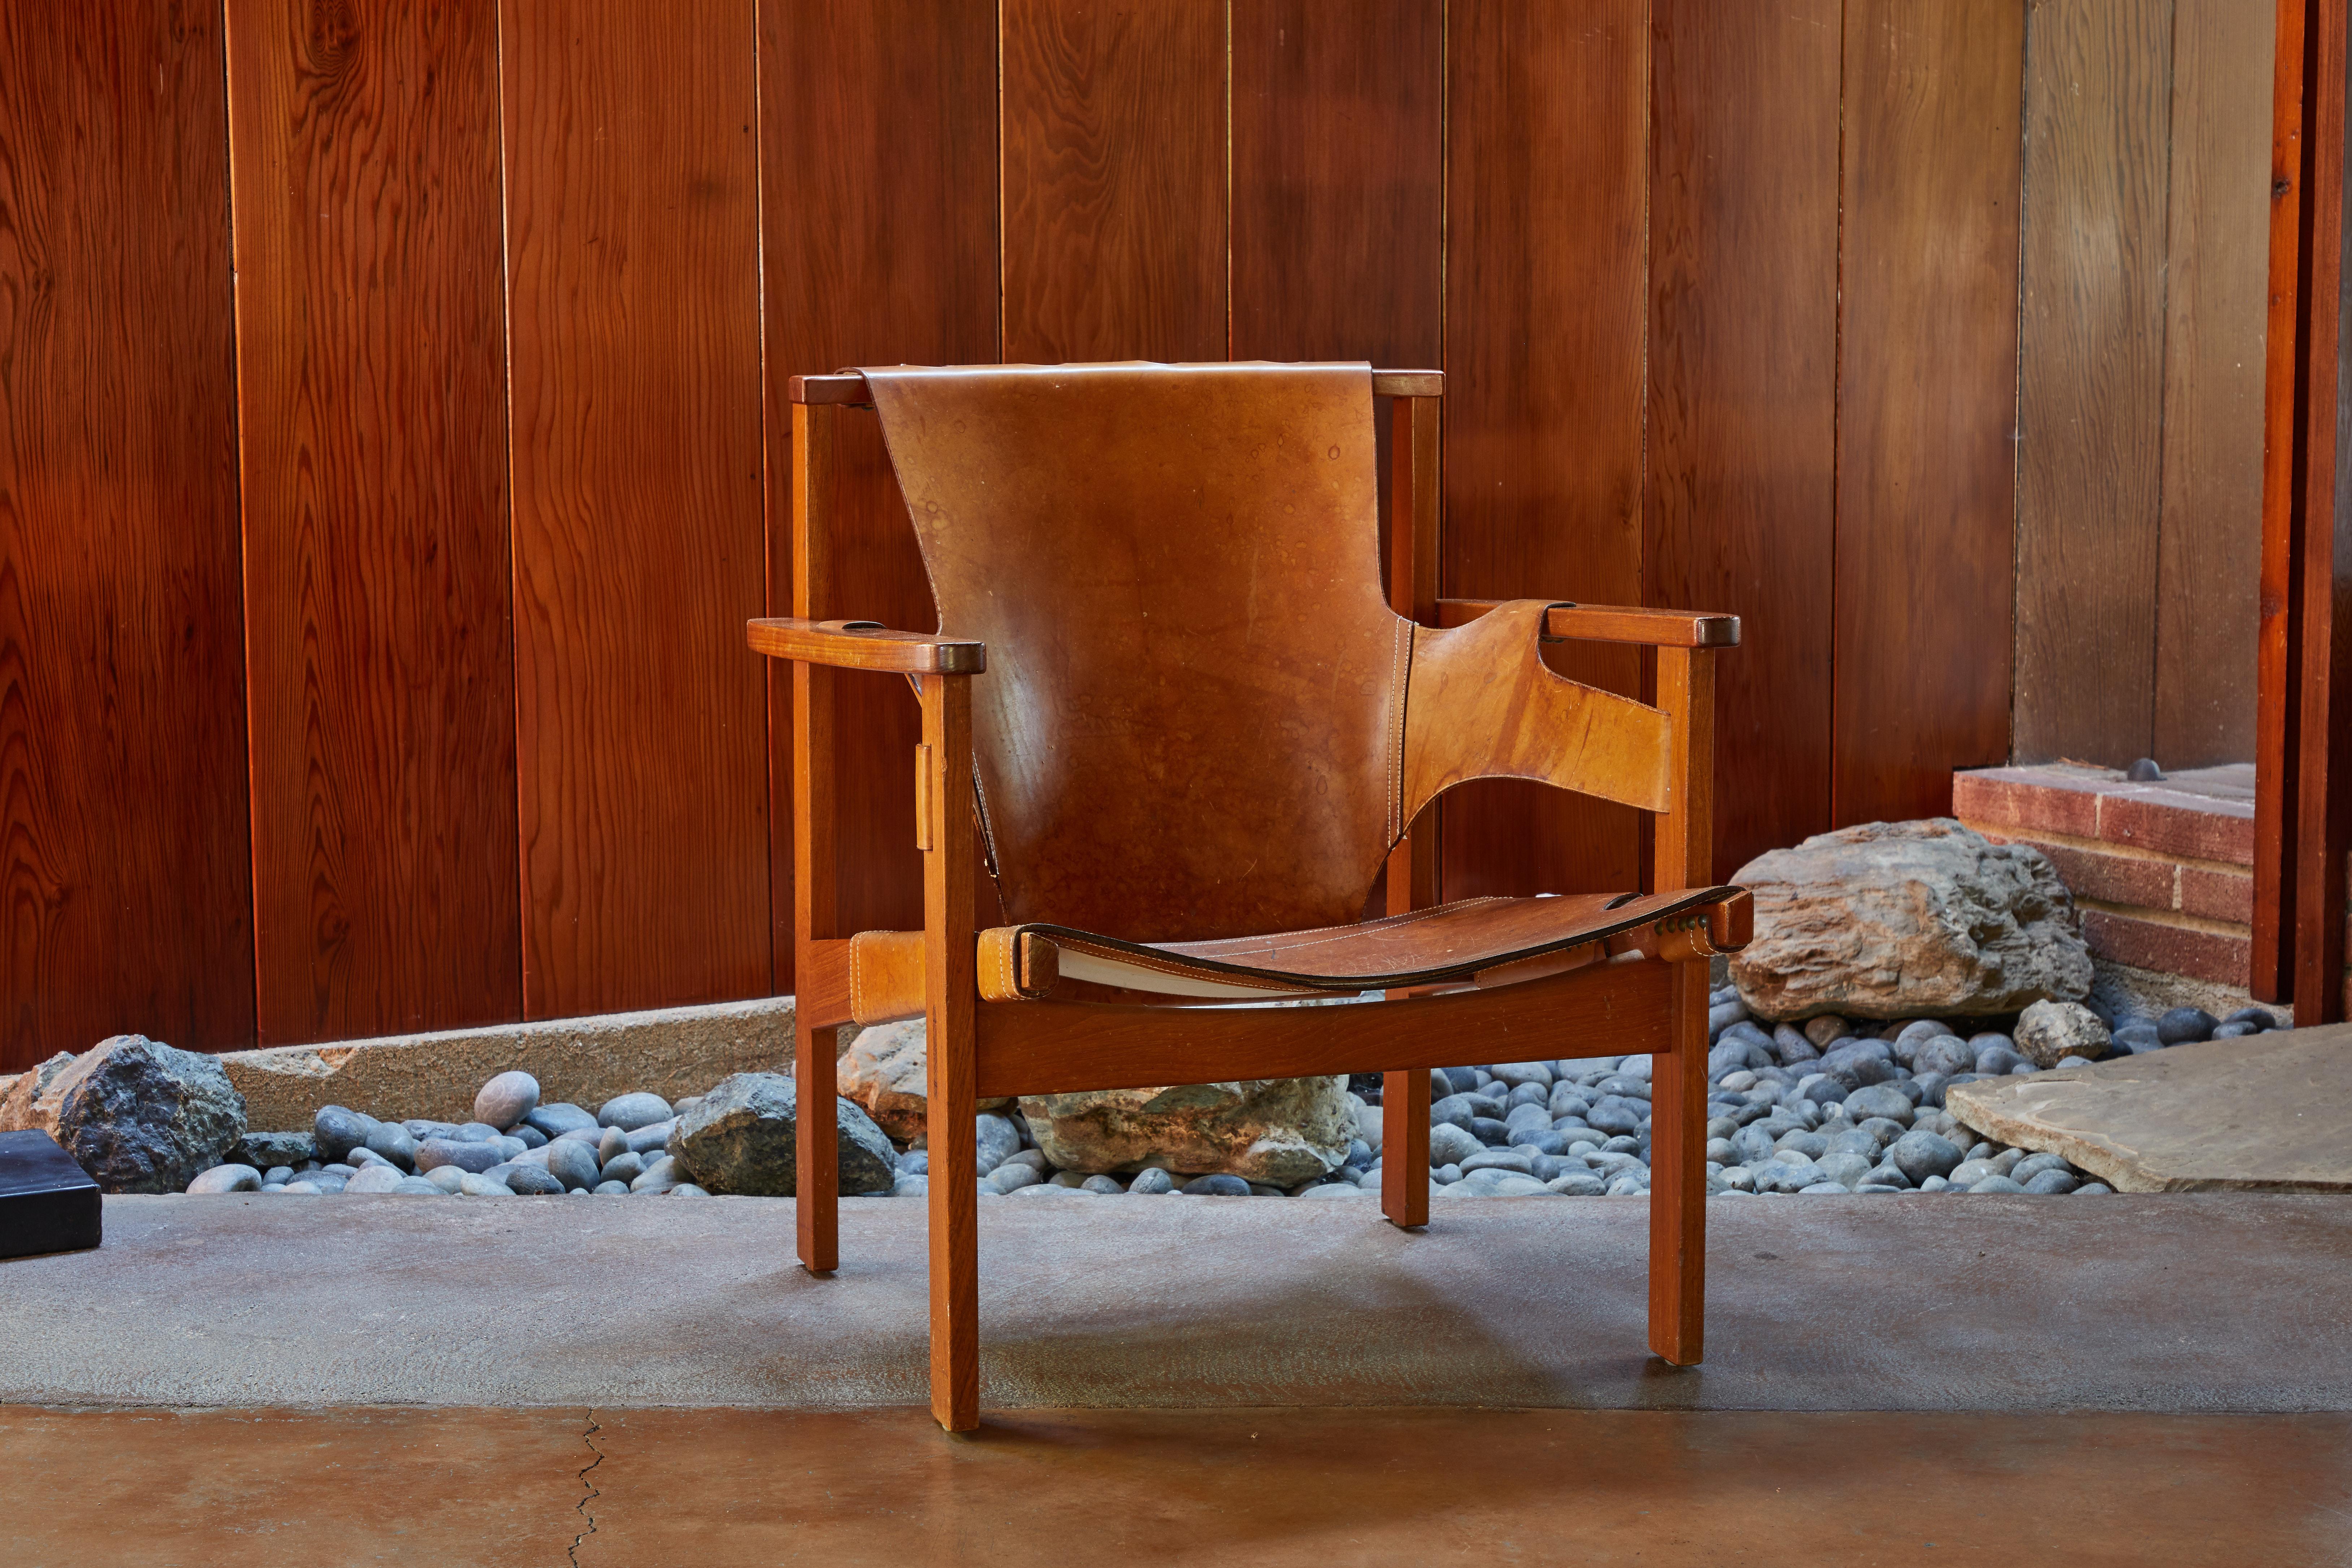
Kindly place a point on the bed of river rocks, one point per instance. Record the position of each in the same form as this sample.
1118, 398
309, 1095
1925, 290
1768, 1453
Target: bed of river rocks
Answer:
1835, 1108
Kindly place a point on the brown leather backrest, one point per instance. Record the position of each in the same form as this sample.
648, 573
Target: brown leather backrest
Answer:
1191, 721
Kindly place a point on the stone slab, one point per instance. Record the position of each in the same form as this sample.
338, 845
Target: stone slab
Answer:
2197, 1302
671, 1051
2265, 1113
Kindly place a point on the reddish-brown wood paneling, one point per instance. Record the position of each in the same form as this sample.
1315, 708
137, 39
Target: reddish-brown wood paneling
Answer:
1546, 305
1114, 180
2209, 551
124, 897
1927, 400
1338, 181
861, 270
631, 157
1743, 385
2286, 349
364, 143
2090, 377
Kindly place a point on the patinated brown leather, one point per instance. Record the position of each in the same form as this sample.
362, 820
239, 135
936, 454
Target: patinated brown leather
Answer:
1200, 719
886, 976
1471, 941
1482, 941
1482, 704
1191, 722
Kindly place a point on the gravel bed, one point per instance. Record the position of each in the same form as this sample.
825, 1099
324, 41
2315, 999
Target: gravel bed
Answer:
1838, 1108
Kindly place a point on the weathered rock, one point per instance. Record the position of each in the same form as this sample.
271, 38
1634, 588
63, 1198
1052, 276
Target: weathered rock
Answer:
559, 1118
263, 1151
231, 1178
630, 1111
16, 1105
1892, 920
573, 1163
506, 1099
138, 1115
883, 1071
470, 1157
2049, 1032
376, 1179
741, 1138
1276, 1131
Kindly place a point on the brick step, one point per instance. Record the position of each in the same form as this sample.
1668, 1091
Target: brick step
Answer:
2162, 871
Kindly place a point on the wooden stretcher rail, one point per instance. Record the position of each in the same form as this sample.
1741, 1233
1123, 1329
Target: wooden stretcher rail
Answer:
1612, 623
864, 645
849, 388
1046, 1047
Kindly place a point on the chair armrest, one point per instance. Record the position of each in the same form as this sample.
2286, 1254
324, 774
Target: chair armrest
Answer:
1611, 623
864, 645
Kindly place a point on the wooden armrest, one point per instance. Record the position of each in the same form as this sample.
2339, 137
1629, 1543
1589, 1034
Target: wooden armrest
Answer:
864, 645
1610, 623
848, 388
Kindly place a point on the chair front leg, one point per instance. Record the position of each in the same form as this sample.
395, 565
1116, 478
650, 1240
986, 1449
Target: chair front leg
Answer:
950, 1014
1678, 1175
1685, 854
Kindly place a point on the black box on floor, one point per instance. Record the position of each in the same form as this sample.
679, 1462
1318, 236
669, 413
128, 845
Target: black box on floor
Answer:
47, 1202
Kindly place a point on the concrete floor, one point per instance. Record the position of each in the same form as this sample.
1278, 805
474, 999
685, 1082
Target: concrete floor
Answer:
2176, 1304
1195, 1488
2111, 1381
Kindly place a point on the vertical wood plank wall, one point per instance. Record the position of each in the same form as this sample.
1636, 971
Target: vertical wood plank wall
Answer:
1927, 401
1546, 197
125, 885
2140, 378
466, 490
633, 256
363, 158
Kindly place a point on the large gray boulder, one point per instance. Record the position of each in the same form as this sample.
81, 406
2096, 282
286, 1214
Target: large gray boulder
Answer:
138, 1115
1278, 1132
744, 1135
1897, 919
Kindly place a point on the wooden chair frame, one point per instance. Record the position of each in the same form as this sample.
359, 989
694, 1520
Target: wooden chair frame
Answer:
979, 1048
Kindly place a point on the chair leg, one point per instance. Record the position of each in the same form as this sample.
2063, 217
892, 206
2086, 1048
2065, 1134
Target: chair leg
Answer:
1404, 1147
1678, 1175
952, 1125
816, 1156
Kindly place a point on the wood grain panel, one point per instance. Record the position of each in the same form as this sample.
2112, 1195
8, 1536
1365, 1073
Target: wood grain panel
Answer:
2210, 549
124, 877
1743, 385
2090, 386
634, 296
867, 271
1927, 400
1546, 293
364, 143
1114, 180
1338, 181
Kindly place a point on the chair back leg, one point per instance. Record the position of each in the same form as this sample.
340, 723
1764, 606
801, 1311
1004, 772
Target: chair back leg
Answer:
1678, 1175
816, 1163
1404, 1147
